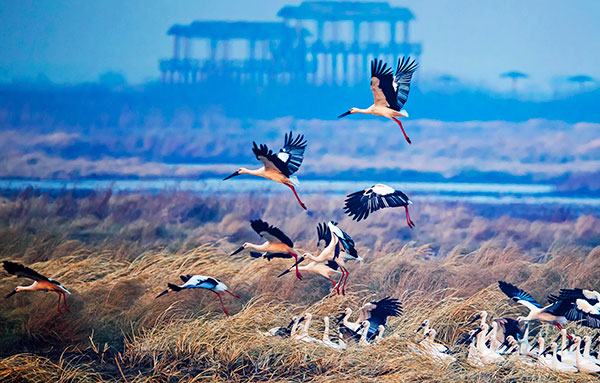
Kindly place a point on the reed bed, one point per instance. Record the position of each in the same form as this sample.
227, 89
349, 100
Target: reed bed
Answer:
116, 252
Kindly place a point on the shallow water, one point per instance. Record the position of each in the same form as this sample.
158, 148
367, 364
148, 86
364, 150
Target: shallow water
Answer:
479, 193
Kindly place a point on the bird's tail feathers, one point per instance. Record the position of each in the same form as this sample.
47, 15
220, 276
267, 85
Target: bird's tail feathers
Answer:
174, 287
11, 294
403, 113
295, 180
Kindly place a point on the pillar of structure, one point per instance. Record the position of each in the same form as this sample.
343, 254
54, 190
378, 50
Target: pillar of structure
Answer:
392, 33
406, 34
176, 47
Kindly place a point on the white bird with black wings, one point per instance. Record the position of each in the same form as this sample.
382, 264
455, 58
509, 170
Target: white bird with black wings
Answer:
279, 167
390, 91
278, 244
363, 202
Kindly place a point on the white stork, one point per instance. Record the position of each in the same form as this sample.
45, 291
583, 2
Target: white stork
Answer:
200, 282
278, 244
377, 313
326, 269
554, 313
279, 167
41, 283
584, 365
359, 204
584, 306
557, 365
389, 92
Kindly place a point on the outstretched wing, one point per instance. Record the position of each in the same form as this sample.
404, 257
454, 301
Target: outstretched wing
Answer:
404, 73
17, 269
382, 85
383, 309
584, 313
361, 203
593, 297
346, 241
323, 234
270, 232
518, 295
270, 159
292, 152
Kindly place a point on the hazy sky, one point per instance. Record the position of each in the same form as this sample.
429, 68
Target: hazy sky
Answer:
76, 40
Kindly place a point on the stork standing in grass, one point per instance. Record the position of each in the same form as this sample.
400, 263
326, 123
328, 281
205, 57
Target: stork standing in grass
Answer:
279, 167
278, 244
41, 283
363, 202
200, 282
389, 91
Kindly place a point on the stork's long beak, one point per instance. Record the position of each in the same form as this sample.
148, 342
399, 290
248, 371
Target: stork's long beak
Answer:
237, 173
344, 114
163, 293
238, 250
291, 267
10, 294
420, 327
478, 316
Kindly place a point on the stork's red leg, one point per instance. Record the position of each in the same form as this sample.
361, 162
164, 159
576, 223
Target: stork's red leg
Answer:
222, 305
560, 327
298, 275
401, 127
58, 305
298, 198
339, 283
230, 293
345, 280
332, 281
410, 223
65, 302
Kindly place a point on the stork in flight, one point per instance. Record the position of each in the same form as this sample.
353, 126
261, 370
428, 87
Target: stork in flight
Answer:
339, 242
200, 282
359, 204
278, 244
41, 283
389, 91
279, 167
553, 313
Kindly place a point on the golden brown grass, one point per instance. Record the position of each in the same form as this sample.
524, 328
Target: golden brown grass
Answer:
122, 262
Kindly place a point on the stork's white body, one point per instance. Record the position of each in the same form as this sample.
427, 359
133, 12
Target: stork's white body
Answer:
583, 364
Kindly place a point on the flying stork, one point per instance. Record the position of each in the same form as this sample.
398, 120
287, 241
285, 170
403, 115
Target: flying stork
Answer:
584, 308
389, 92
278, 244
327, 269
279, 167
359, 204
554, 313
339, 242
200, 282
41, 283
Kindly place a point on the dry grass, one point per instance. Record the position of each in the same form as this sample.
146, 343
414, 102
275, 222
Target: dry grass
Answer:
116, 253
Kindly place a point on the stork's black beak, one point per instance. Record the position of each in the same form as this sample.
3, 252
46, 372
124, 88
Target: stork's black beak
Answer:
237, 173
10, 294
284, 273
238, 250
344, 114
420, 327
294, 265
478, 316
163, 293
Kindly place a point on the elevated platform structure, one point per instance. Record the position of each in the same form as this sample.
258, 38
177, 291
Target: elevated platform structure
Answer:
316, 42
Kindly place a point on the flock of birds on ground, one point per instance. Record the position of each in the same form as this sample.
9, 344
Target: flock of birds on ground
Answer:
503, 340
